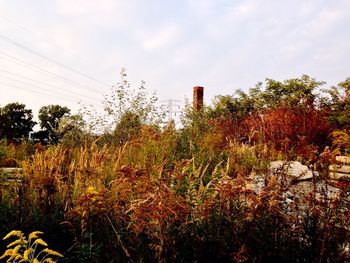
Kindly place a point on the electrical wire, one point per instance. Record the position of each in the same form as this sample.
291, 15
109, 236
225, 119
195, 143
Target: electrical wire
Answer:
40, 36
38, 89
36, 92
51, 60
47, 84
31, 66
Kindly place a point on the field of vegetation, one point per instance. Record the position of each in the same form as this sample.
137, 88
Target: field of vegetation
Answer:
126, 187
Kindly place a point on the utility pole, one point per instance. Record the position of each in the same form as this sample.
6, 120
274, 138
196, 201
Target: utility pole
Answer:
171, 108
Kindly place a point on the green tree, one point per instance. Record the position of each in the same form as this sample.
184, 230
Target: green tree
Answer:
293, 93
50, 117
126, 109
122, 102
15, 122
71, 130
128, 127
339, 105
125, 100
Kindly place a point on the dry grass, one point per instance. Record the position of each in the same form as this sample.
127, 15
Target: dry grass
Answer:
139, 203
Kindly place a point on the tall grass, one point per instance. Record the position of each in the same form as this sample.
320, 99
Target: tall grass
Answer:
141, 202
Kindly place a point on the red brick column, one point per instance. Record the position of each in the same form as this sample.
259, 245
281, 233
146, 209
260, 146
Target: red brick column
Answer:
198, 98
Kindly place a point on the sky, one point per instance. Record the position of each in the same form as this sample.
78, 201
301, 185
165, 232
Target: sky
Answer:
69, 51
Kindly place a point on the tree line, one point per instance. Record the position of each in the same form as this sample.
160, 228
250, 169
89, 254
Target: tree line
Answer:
16, 123
297, 114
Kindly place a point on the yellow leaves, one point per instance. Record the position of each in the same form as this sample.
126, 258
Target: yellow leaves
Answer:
91, 191
27, 253
14, 243
16, 233
341, 142
52, 252
7, 253
18, 257
34, 235
40, 242
21, 250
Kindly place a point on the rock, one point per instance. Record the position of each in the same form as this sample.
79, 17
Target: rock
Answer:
343, 159
294, 169
297, 185
11, 175
256, 183
10, 171
345, 169
339, 176
339, 172
302, 189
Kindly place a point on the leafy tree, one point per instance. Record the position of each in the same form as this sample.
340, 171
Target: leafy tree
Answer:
125, 100
128, 127
71, 130
50, 117
236, 107
285, 114
292, 93
339, 105
15, 122
194, 127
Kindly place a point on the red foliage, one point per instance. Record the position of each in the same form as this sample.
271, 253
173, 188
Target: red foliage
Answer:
286, 127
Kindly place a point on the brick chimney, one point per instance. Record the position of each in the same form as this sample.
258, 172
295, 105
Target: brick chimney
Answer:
198, 98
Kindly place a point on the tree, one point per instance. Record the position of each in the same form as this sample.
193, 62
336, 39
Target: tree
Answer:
50, 117
128, 127
277, 112
126, 100
339, 105
71, 130
15, 122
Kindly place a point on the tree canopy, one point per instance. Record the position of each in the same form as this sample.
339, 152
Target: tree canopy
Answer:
15, 122
50, 117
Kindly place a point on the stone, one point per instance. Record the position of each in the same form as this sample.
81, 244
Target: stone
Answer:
343, 159
255, 183
294, 169
10, 171
345, 169
339, 176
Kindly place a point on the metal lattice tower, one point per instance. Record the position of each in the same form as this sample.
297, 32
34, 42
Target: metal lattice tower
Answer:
172, 107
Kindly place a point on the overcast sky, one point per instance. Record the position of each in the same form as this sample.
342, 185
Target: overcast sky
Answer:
63, 51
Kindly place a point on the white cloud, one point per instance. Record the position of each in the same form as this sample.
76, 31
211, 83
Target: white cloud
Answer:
164, 37
87, 7
222, 44
246, 8
90, 14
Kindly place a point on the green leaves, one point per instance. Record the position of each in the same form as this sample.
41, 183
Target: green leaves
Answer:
15, 122
50, 117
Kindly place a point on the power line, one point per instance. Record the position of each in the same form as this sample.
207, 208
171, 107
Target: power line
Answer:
51, 60
38, 88
46, 84
18, 87
30, 66
40, 36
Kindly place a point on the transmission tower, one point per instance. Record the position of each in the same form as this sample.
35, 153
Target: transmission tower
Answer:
171, 107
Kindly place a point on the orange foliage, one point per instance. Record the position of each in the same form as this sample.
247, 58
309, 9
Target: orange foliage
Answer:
287, 127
